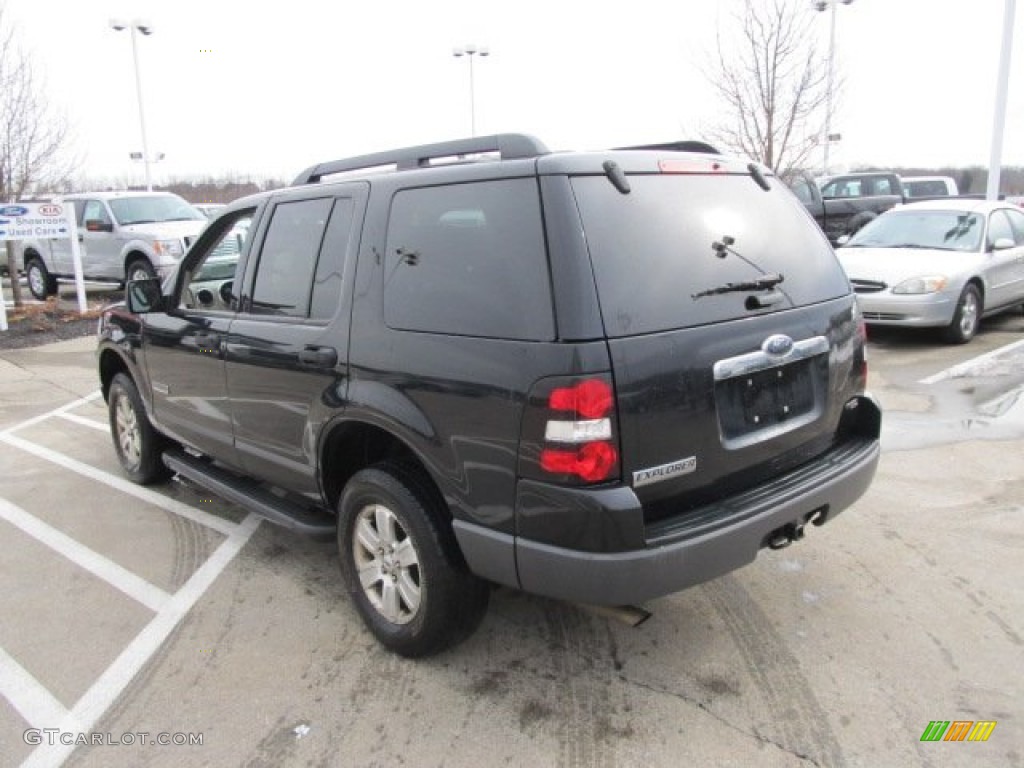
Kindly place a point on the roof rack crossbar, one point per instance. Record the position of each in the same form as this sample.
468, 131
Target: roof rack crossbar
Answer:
510, 146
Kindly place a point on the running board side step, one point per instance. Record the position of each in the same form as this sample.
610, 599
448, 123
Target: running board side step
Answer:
251, 496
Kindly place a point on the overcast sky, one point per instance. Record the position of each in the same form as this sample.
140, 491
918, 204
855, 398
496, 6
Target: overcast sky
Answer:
269, 88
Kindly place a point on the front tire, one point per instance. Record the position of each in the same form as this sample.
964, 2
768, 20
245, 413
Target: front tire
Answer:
402, 566
967, 316
139, 269
40, 284
138, 445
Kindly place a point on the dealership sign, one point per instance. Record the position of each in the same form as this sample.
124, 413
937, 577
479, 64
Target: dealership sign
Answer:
42, 221
24, 221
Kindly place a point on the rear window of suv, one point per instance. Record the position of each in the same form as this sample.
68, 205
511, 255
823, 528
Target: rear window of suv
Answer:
652, 249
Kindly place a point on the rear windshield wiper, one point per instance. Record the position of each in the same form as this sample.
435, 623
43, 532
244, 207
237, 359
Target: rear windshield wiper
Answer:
762, 283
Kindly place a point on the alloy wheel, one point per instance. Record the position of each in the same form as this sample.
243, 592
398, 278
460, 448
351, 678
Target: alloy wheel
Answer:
129, 433
387, 564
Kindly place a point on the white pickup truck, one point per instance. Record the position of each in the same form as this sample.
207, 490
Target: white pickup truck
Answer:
122, 236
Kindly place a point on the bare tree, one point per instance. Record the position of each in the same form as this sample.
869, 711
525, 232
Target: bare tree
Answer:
33, 136
773, 80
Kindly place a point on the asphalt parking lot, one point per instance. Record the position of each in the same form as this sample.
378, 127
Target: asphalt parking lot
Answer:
133, 616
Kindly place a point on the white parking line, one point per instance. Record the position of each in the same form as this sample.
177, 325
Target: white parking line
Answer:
102, 426
145, 494
50, 414
32, 701
104, 692
120, 578
29, 697
965, 368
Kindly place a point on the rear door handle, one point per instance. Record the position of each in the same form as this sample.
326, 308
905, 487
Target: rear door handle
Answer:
320, 357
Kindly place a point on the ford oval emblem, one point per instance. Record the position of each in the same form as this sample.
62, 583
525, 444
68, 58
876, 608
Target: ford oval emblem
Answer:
13, 210
777, 345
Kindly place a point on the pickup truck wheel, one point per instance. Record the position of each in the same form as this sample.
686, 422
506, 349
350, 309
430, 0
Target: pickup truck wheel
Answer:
966, 318
139, 269
138, 445
402, 566
40, 283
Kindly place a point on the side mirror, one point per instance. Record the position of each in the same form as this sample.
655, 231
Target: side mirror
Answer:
144, 296
1002, 243
98, 225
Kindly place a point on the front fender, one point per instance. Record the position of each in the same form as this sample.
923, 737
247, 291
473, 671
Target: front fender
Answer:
119, 350
136, 247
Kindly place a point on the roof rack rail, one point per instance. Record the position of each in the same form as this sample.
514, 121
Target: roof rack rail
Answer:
679, 146
510, 146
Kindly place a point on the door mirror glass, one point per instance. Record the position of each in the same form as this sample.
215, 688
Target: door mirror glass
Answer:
95, 225
144, 296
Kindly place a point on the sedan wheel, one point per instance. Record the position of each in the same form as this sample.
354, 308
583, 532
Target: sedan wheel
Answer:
966, 318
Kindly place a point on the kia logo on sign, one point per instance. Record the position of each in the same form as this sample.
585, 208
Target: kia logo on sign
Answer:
13, 210
50, 210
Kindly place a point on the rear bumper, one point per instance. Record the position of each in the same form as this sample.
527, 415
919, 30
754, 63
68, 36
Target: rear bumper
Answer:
675, 558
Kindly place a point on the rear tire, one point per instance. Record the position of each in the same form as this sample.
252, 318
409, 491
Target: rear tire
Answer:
402, 566
40, 283
966, 318
138, 445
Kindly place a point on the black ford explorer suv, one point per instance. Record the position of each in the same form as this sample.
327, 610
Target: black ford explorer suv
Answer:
601, 377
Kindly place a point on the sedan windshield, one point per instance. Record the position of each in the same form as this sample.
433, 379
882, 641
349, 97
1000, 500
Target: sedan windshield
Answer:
942, 230
145, 210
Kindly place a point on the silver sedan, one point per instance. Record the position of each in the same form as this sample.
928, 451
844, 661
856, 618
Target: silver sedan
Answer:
938, 263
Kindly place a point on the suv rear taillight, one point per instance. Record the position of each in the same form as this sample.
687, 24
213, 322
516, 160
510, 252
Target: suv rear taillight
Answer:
569, 431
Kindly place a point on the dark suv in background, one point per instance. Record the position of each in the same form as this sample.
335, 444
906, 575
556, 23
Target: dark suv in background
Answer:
600, 377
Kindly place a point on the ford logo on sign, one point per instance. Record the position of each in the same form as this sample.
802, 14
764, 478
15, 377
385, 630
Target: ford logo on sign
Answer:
778, 345
50, 210
13, 210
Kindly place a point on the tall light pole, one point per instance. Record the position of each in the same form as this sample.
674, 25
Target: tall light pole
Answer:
821, 5
470, 51
146, 29
999, 117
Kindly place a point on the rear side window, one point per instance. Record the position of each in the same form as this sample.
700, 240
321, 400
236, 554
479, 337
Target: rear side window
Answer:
653, 249
932, 188
469, 260
288, 258
326, 295
1017, 221
999, 228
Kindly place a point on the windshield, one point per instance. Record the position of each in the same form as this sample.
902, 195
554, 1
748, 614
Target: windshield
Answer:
144, 210
664, 254
943, 230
